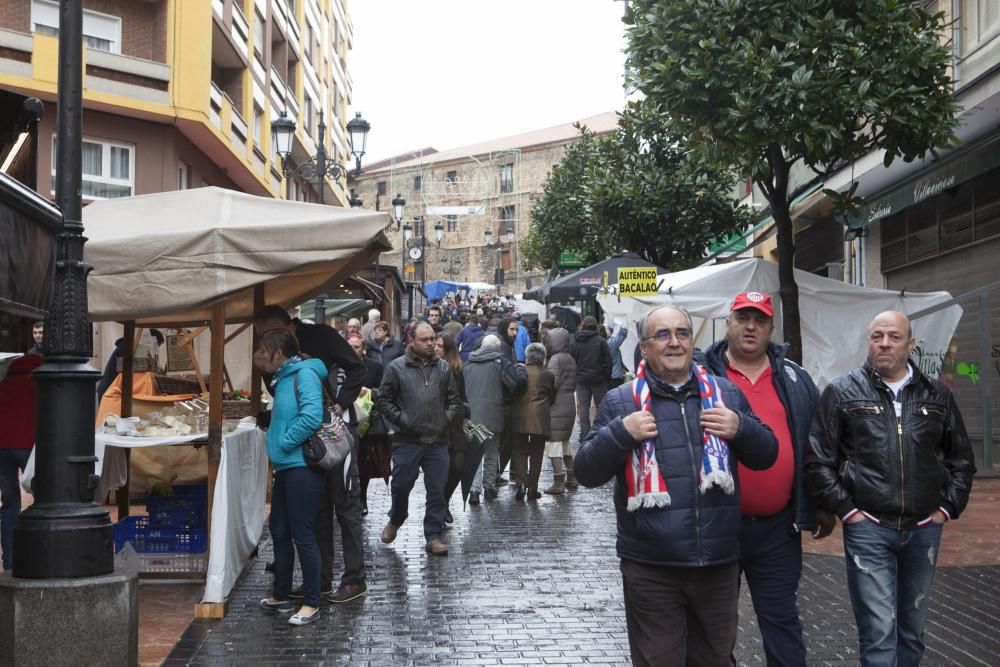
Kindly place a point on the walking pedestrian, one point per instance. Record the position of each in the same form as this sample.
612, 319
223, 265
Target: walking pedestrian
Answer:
616, 336
593, 370
891, 457
678, 523
558, 449
373, 450
342, 484
297, 387
507, 330
531, 423
17, 414
774, 503
446, 349
384, 347
419, 397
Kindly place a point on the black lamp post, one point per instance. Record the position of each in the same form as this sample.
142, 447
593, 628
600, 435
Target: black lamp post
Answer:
416, 252
65, 533
508, 233
320, 166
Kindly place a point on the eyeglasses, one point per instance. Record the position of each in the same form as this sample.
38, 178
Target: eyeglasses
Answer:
663, 335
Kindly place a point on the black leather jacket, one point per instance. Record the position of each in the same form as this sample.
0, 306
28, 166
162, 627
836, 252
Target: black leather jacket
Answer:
898, 469
420, 398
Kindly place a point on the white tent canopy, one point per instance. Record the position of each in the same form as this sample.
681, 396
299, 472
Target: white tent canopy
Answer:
166, 258
834, 315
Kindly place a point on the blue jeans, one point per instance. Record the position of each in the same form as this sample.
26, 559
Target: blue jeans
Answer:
11, 460
889, 576
295, 499
488, 468
407, 461
771, 560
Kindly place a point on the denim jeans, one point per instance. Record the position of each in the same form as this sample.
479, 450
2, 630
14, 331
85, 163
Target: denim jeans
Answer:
489, 466
408, 459
11, 460
889, 576
584, 395
295, 499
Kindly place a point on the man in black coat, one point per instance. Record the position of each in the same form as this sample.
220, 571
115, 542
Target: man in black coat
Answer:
593, 370
342, 490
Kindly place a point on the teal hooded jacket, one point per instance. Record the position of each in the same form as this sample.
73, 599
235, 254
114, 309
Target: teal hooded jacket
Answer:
294, 419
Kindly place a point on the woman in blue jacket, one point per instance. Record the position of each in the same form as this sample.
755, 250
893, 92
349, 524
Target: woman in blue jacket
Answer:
295, 496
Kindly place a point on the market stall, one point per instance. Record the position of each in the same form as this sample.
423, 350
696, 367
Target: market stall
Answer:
197, 260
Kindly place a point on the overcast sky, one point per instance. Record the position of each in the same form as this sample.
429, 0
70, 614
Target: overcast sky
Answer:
447, 73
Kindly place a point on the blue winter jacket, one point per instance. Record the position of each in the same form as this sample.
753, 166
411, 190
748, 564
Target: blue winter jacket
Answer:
521, 342
697, 529
798, 394
294, 418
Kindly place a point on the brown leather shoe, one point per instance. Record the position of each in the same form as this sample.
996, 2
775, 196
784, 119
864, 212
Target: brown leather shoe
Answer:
437, 547
389, 532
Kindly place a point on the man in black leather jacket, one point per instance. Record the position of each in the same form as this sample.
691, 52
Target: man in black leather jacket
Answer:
419, 397
891, 457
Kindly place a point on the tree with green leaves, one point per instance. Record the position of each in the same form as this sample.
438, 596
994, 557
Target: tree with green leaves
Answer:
638, 189
762, 84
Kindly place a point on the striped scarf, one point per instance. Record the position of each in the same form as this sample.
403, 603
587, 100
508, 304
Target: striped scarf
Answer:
646, 485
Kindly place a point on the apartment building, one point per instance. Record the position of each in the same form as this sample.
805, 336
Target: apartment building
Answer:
477, 197
180, 93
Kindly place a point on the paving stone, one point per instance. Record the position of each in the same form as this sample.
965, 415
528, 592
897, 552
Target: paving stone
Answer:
538, 583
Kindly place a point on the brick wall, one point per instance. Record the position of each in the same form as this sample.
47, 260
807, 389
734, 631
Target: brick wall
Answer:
144, 24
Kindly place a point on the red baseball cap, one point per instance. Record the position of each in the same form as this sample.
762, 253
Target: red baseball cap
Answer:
756, 300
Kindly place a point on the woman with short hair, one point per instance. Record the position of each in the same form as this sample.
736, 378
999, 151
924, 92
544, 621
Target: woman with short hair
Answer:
531, 423
446, 349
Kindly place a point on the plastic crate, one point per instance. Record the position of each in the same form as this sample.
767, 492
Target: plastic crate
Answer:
187, 508
146, 538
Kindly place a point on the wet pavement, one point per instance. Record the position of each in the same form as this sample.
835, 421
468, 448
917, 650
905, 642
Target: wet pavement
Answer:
538, 583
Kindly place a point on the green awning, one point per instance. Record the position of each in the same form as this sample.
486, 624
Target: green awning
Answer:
962, 165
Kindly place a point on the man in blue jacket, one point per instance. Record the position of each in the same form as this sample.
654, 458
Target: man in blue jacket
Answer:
671, 440
774, 502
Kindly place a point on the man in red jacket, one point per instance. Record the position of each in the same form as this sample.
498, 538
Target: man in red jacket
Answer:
17, 414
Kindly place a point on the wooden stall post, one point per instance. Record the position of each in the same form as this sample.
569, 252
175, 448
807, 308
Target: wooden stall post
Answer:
128, 363
215, 400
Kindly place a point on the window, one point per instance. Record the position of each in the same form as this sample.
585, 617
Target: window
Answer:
380, 188
258, 125
102, 32
418, 182
108, 170
452, 222
307, 114
506, 214
307, 42
507, 178
183, 171
980, 22
452, 177
258, 35
418, 226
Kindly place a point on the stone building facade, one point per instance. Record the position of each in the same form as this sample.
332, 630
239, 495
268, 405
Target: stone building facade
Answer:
472, 193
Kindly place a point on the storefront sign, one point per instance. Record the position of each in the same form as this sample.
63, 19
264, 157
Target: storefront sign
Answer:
638, 281
572, 258
950, 172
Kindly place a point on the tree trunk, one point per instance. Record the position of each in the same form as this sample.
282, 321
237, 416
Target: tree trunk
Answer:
789, 290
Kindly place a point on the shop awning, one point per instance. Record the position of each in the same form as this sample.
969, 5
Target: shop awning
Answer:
28, 227
953, 170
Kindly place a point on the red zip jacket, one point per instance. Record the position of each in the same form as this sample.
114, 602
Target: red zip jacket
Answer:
17, 403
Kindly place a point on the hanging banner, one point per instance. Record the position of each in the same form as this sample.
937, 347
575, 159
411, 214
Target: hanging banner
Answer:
638, 281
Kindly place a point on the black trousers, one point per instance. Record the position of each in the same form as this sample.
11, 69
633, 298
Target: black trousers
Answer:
341, 498
680, 616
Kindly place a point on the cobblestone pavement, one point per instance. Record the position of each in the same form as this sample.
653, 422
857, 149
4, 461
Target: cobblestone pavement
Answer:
538, 583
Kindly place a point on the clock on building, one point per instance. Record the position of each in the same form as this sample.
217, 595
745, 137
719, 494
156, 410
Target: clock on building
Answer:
415, 253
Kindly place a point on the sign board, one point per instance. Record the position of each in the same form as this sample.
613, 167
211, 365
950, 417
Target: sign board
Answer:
178, 354
572, 258
638, 281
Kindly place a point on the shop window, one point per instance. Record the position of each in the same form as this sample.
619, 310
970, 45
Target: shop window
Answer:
108, 169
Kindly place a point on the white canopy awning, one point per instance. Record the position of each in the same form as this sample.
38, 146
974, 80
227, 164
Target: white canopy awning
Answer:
166, 258
834, 315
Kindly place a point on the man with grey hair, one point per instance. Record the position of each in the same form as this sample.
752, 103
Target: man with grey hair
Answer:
353, 326
678, 523
366, 329
491, 380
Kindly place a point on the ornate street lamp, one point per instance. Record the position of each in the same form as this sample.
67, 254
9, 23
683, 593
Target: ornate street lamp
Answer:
319, 166
398, 206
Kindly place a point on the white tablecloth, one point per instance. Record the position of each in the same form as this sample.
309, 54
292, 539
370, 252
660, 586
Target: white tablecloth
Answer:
237, 506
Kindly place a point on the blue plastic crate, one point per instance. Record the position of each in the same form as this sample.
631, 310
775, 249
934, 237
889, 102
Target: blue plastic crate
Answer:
188, 507
148, 538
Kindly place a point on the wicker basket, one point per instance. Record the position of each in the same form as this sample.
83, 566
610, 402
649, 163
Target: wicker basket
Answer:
235, 409
178, 384
139, 364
